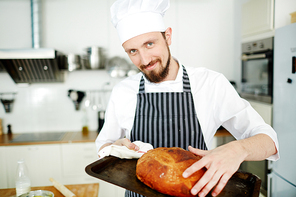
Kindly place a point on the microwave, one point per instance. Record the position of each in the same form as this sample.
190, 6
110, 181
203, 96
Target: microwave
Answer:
257, 70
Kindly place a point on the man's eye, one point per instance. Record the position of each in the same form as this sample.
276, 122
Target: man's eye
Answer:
132, 51
150, 44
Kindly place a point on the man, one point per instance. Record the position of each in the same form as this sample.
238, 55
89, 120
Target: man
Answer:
168, 104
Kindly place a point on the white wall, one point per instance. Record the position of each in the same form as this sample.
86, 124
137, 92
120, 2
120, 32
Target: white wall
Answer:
202, 30
203, 35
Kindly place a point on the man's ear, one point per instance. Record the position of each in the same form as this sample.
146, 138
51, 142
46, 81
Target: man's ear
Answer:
168, 35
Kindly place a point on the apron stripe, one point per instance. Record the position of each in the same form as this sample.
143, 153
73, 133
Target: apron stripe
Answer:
163, 135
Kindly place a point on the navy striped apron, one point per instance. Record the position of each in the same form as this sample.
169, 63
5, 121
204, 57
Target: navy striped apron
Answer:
167, 119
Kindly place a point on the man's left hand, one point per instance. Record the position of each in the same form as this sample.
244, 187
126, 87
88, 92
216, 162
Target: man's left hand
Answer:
221, 163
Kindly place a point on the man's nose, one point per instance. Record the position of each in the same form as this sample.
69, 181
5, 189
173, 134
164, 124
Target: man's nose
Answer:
145, 58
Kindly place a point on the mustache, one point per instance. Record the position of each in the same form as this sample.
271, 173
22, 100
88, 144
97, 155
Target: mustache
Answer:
150, 63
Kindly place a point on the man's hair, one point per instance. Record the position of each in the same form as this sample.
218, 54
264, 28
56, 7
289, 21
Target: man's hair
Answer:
163, 34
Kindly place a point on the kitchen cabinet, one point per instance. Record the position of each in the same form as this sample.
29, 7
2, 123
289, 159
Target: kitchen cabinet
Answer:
264, 109
75, 157
257, 17
3, 174
65, 162
110, 190
42, 161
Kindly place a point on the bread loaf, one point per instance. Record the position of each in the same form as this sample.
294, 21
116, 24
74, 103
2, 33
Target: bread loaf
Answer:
162, 169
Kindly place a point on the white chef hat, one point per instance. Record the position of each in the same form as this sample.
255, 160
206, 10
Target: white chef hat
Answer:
135, 17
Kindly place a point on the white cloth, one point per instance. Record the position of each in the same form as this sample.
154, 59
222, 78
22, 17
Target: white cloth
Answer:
135, 17
123, 152
216, 103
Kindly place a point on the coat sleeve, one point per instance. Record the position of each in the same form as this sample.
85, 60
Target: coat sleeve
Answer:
111, 130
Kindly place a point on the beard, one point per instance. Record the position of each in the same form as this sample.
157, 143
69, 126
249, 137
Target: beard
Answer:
157, 75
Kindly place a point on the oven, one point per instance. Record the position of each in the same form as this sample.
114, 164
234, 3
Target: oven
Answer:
257, 70
257, 85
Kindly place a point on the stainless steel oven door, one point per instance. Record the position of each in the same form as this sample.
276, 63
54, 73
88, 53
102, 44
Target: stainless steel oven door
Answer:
257, 76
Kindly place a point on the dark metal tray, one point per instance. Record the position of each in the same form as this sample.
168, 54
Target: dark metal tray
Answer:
122, 172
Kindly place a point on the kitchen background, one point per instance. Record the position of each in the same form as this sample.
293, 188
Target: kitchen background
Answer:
206, 33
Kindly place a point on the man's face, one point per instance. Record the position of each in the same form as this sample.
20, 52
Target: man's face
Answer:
151, 54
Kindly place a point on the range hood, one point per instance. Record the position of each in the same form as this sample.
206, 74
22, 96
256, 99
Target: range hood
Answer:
34, 65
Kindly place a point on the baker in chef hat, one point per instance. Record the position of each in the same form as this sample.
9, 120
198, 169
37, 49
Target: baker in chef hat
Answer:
135, 17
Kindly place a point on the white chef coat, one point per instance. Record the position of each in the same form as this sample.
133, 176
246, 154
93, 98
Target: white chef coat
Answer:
216, 103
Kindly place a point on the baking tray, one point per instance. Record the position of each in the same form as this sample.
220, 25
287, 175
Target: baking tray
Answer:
122, 172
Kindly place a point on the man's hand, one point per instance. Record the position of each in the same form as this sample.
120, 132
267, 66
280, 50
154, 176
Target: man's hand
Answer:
126, 142
221, 163
123, 142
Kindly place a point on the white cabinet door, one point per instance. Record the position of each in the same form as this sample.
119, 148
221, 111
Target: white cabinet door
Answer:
43, 162
110, 190
75, 157
257, 17
264, 109
3, 174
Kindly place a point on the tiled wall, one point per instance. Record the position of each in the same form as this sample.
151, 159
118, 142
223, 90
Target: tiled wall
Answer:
47, 107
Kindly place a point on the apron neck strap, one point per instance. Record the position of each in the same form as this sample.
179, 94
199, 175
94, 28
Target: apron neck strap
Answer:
186, 82
142, 85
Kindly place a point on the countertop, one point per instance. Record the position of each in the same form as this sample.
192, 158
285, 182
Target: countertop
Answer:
222, 132
80, 190
74, 137
69, 137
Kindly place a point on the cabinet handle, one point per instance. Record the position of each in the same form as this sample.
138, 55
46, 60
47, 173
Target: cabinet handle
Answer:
269, 165
88, 149
252, 57
294, 64
269, 185
89, 157
33, 148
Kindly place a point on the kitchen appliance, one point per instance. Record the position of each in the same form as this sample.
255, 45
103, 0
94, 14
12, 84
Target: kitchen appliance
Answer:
257, 83
257, 70
39, 137
34, 65
282, 179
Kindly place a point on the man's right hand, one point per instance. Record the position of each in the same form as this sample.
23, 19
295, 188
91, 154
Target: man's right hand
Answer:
126, 142
122, 142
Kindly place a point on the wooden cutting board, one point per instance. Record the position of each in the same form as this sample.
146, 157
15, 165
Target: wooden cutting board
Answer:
80, 190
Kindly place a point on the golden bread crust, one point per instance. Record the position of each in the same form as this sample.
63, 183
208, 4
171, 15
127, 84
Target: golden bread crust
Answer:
162, 168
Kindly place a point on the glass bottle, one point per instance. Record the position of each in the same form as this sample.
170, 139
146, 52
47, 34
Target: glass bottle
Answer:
85, 123
22, 180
